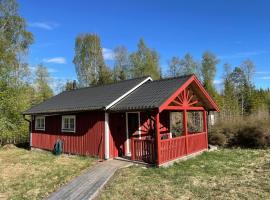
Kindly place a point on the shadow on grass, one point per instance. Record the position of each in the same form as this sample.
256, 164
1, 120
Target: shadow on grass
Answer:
23, 145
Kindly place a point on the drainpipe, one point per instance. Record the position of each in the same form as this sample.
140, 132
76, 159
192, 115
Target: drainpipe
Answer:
30, 130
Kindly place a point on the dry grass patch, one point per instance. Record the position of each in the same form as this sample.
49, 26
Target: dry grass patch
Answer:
224, 174
34, 175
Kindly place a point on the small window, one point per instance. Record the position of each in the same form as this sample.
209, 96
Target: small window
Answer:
176, 124
68, 123
40, 123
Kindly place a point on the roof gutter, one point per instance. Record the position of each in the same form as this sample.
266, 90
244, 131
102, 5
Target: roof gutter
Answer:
128, 92
26, 118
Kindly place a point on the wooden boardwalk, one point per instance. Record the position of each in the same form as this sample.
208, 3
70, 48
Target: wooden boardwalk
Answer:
88, 184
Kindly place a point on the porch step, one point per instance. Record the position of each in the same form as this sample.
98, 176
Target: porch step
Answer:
134, 161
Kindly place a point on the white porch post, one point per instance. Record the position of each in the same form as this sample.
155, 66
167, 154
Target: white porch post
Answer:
127, 140
107, 136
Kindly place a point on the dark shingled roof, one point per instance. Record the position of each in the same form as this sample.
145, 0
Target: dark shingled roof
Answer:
151, 94
90, 98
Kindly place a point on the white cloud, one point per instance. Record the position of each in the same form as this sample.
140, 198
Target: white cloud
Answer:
265, 77
262, 72
56, 60
107, 54
43, 25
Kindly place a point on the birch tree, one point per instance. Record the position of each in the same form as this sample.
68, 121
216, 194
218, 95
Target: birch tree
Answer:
145, 62
121, 64
14, 43
89, 62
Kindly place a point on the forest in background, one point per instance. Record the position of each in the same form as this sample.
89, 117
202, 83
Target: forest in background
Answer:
244, 108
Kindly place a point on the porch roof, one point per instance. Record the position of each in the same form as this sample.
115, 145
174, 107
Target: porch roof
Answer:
154, 94
151, 94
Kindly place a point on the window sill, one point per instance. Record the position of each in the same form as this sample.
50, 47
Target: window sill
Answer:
67, 131
39, 129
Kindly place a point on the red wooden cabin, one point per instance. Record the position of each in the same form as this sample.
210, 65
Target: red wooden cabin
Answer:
150, 121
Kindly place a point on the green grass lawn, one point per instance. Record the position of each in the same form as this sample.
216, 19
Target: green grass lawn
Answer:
34, 175
223, 174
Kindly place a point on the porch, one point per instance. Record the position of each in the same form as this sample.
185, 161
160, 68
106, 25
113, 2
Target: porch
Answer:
168, 146
171, 149
175, 130
162, 126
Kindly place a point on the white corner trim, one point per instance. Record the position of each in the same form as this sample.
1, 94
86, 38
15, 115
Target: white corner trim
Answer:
107, 137
30, 139
127, 138
128, 92
139, 121
30, 130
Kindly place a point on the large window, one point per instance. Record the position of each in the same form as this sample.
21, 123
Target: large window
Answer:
176, 124
40, 123
195, 121
68, 123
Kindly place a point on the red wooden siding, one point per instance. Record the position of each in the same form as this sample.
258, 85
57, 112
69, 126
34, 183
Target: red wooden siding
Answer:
164, 122
146, 126
88, 139
196, 142
171, 149
117, 123
143, 150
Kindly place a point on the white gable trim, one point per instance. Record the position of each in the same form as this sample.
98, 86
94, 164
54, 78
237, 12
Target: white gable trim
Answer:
128, 92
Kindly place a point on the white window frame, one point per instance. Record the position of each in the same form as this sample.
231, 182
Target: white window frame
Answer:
40, 128
63, 123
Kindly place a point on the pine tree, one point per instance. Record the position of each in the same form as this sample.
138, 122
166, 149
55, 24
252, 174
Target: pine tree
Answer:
230, 106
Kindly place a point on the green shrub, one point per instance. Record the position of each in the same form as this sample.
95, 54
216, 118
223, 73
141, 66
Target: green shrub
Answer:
247, 132
217, 138
251, 137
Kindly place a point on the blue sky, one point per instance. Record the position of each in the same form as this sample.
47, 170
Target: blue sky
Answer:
232, 29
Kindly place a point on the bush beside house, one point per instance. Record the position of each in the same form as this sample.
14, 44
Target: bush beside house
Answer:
247, 132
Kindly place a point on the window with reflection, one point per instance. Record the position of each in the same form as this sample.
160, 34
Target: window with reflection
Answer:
176, 124
195, 121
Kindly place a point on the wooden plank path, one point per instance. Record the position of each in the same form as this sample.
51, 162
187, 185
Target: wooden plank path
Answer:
88, 184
